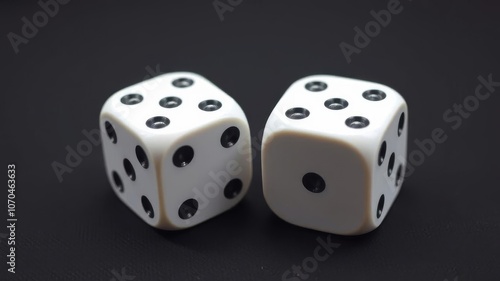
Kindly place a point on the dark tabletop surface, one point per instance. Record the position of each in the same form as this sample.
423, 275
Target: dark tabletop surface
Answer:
445, 225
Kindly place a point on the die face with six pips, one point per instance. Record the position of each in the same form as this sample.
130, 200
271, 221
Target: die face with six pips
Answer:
176, 149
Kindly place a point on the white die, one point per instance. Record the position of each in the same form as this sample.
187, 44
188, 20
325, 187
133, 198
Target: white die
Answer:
176, 149
334, 154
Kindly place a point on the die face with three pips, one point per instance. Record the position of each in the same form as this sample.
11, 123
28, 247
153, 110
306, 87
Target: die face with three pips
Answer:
176, 149
334, 154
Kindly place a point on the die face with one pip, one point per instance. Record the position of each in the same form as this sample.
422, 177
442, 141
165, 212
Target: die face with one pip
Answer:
176, 149
334, 151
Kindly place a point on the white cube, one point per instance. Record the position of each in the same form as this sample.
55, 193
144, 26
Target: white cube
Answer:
334, 154
176, 149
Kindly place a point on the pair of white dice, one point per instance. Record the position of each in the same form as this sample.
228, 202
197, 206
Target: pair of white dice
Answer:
177, 151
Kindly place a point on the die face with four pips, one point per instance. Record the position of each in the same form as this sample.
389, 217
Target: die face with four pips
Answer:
334, 154
176, 149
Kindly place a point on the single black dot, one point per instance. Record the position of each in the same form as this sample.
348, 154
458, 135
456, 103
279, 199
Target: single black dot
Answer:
316, 86
188, 209
297, 113
129, 169
336, 103
233, 188
374, 95
230, 137
157, 122
110, 131
170, 102
313, 182
381, 153
380, 205
142, 157
182, 82
390, 167
399, 175
210, 105
131, 99
118, 181
357, 122
401, 124
183, 156
148, 208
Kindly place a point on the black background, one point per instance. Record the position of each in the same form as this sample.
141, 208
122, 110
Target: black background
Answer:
444, 225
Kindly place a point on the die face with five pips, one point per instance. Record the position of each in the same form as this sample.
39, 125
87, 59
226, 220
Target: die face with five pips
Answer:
334, 154
176, 149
